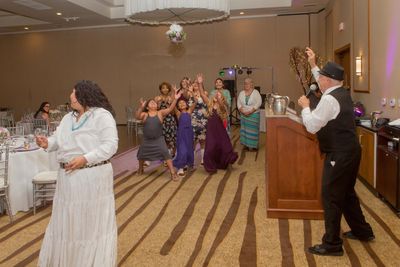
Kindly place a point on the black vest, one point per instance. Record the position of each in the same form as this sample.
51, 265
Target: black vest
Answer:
339, 134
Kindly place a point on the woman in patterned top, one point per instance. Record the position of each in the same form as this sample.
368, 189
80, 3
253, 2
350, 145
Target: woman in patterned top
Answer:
164, 100
199, 116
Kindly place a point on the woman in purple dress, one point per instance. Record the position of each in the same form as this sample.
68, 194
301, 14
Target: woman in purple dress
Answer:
218, 153
185, 153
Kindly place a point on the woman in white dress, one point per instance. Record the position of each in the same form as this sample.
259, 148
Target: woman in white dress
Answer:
82, 230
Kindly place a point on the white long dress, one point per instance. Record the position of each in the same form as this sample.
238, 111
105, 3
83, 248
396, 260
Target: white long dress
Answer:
82, 230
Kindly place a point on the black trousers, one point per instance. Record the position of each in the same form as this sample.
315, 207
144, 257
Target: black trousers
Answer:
338, 197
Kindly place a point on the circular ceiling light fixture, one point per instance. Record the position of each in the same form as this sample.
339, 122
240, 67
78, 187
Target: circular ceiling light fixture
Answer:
154, 12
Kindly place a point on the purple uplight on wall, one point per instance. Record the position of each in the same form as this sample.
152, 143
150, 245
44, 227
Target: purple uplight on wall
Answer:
392, 47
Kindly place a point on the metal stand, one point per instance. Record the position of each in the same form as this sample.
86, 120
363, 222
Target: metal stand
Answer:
234, 113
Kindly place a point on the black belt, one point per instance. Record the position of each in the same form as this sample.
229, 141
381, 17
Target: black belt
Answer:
64, 164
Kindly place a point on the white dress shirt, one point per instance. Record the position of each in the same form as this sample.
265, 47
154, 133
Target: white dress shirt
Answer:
94, 136
327, 109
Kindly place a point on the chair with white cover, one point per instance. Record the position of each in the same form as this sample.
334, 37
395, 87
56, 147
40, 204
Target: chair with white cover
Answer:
43, 187
4, 195
40, 123
16, 131
132, 122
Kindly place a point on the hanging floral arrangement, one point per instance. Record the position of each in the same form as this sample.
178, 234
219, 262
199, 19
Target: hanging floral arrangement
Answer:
298, 62
176, 33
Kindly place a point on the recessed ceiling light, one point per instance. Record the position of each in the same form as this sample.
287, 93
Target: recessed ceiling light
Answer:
26, 28
241, 13
59, 13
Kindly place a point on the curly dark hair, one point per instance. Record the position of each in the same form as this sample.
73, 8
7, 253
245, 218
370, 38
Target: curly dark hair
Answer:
90, 95
166, 84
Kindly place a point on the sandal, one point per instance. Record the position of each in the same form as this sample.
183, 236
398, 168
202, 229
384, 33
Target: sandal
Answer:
181, 173
146, 164
175, 177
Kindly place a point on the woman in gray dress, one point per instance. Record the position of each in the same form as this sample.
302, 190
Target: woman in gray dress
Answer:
154, 146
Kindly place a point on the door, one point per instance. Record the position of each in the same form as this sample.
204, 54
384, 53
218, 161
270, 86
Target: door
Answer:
342, 57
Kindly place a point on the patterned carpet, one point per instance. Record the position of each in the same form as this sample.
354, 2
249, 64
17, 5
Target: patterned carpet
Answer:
217, 220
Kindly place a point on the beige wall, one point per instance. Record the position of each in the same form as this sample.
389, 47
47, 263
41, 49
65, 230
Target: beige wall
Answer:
129, 62
384, 55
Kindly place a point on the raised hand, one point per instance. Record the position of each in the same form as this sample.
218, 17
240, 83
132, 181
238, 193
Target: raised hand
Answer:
142, 102
200, 78
177, 92
311, 57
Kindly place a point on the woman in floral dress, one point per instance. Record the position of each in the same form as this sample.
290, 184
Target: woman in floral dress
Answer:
164, 100
199, 116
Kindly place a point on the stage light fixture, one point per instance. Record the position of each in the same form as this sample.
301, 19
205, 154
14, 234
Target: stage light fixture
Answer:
221, 73
230, 72
249, 71
240, 71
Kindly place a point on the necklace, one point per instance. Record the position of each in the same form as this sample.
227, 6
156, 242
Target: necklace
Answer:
83, 121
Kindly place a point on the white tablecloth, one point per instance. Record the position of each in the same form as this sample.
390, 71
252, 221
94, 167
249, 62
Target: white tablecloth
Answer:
22, 167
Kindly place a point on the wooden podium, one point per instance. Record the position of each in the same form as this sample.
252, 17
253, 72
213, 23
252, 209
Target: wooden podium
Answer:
293, 170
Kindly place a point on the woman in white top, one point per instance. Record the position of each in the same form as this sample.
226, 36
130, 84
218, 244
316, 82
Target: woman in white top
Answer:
248, 103
82, 230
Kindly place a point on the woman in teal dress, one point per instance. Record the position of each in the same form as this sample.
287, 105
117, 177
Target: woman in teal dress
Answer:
248, 103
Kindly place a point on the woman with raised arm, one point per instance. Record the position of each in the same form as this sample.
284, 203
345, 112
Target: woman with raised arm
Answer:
199, 118
164, 100
218, 153
184, 141
154, 146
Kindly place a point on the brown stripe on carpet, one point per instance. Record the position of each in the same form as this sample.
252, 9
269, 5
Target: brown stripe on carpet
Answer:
286, 245
373, 255
308, 243
121, 174
353, 258
210, 216
23, 248
142, 207
140, 189
226, 224
9, 235
20, 219
128, 188
183, 222
242, 157
28, 259
156, 220
381, 223
248, 252
125, 179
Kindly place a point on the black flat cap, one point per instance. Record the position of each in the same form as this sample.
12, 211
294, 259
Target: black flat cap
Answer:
333, 71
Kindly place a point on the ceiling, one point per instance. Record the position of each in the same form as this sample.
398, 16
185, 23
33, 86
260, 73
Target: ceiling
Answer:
18, 16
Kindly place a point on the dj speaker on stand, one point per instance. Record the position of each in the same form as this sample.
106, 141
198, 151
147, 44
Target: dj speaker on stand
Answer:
234, 117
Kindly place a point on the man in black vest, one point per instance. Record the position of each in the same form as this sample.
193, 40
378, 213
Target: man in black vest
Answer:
333, 122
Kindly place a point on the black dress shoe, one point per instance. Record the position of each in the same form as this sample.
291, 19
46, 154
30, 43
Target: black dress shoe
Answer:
323, 251
350, 235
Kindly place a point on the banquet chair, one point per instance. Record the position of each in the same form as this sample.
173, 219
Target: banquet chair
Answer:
4, 195
8, 119
132, 123
40, 123
43, 187
16, 131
